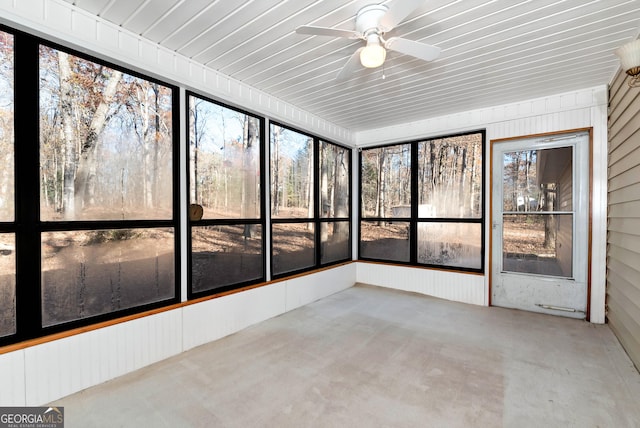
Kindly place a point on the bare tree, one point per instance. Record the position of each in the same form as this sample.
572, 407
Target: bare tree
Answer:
276, 196
249, 204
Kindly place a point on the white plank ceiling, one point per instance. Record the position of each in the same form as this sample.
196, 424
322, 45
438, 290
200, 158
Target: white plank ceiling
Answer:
493, 52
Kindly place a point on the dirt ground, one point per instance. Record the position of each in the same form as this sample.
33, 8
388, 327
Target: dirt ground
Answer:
526, 237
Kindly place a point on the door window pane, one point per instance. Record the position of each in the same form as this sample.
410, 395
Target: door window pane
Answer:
225, 255
291, 160
539, 244
105, 142
538, 180
224, 161
93, 272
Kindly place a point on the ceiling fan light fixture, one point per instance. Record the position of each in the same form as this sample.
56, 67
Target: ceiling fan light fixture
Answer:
374, 54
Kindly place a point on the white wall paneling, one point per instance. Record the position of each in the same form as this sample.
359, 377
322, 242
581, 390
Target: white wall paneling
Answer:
216, 318
61, 367
40, 374
12, 373
306, 289
466, 288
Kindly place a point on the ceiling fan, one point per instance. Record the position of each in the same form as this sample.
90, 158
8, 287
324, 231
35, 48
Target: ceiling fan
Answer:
372, 22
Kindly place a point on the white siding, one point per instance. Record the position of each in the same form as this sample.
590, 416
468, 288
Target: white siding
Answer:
623, 272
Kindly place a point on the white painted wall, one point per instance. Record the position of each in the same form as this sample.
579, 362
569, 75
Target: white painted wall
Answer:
579, 109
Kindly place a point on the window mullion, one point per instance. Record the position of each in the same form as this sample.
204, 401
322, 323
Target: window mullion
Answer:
28, 250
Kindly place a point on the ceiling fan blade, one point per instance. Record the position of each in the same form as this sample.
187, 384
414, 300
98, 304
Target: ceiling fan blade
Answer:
397, 12
352, 65
415, 49
326, 31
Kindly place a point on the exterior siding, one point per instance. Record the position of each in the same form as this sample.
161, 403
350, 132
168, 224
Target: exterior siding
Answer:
623, 231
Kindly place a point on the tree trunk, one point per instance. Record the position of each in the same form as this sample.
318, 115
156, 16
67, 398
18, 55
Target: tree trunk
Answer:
275, 166
86, 174
66, 114
249, 186
309, 189
550, 231
341, 190
382, 184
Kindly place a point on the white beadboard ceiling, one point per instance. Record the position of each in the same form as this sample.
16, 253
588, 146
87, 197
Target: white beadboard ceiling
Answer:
493, 52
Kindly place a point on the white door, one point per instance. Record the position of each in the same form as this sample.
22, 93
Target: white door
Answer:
540, 224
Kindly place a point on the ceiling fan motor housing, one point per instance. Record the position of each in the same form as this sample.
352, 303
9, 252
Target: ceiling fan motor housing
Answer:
368, 19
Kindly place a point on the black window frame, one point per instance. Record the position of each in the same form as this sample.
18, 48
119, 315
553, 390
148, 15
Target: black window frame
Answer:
224, 222
317, 220
413, 220
27, 226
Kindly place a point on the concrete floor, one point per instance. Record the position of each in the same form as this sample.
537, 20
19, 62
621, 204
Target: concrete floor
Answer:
373, 357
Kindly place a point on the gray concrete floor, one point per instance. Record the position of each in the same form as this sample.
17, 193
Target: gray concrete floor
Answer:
373, 357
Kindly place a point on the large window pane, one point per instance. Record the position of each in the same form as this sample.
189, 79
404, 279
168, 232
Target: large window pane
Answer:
105, 142
7, 284
334, 181
224, 160
292, 164
335, 244
450, 244
6, 128
385, 240
293, 247
225, 255
88, 273
450, 177
386, 181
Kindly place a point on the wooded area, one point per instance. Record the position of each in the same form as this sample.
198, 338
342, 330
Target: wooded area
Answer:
449, 179
106, 153
293, 190
224, 161
7, 240
525, 192
291, 162
6, 128
224, 179
105, 142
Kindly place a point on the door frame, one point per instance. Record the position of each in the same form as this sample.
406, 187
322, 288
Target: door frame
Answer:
590, 204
